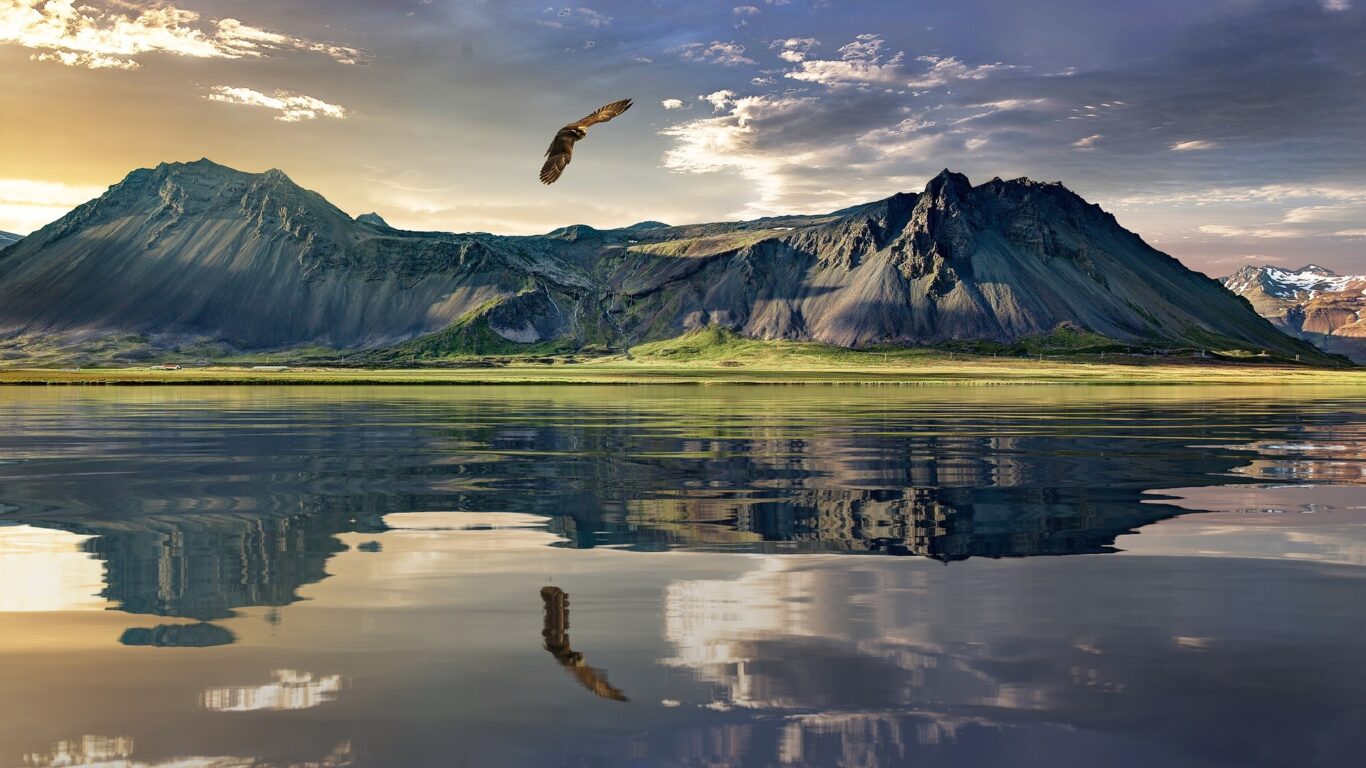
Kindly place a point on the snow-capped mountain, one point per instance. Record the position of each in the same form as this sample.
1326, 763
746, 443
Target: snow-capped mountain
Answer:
1313, 303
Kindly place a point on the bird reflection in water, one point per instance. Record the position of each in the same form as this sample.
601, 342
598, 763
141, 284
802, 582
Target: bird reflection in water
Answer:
556, 635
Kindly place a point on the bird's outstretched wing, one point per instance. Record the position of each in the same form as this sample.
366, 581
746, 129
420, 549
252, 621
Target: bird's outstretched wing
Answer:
602, 114
558, 156
562, 147
556, 637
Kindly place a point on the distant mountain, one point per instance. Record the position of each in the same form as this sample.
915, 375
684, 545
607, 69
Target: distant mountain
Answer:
7, 239
1313, 303
372, 218
199, 256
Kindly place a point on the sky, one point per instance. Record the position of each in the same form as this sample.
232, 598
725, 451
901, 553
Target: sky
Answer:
1225, 132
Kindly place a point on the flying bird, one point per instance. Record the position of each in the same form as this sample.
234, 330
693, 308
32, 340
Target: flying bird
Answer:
556, 636
562, 147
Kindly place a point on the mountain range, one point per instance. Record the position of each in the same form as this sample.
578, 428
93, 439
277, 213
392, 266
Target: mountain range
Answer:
1312, 303
201, 258
9, 238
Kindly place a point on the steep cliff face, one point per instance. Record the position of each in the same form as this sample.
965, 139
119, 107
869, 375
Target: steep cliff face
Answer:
1312, 303
1001, 261
198, 251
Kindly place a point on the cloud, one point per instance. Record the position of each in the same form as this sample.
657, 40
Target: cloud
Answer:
1087, 142
860, 61
293, 107
672, 104
1268, 232
26, 204
1335, 213
863, 62
592, 18
727, 54
1336, 5
580, 17
794, 49
809, 150
114, 37
736, 141
1193, 146
745, 10
1266, 193
946, 70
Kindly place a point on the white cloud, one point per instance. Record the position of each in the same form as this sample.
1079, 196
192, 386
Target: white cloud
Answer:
1193, 146
290, 690
808, 150
672, 104
104, 38
1087, 142
1267, 193
26, 204
1333, 213
733, 142
812, 153
745, 10
945, 70
592, 18
1336, 5
293, 107
717, 52
719, 100
1304, 211
794, 49
862, 62
1261, 232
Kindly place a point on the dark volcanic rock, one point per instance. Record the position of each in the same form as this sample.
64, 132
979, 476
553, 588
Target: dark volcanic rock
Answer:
200, 251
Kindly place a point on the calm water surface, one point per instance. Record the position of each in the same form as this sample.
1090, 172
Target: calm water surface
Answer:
693, 576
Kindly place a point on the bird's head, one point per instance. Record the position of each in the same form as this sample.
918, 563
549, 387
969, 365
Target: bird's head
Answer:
580, 132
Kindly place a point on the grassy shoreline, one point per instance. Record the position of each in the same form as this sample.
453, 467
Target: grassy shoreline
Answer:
936, 372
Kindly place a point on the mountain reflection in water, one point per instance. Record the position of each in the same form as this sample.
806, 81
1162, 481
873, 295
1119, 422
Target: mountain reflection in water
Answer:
198, 508
179, 568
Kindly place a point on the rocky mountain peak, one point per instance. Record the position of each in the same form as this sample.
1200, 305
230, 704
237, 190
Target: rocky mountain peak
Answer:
948, 187
256, 261
946, 218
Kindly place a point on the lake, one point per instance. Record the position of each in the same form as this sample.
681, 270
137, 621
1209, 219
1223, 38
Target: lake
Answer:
682, 576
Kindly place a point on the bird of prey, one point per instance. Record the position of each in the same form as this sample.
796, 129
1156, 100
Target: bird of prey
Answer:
562, 147
556, 637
